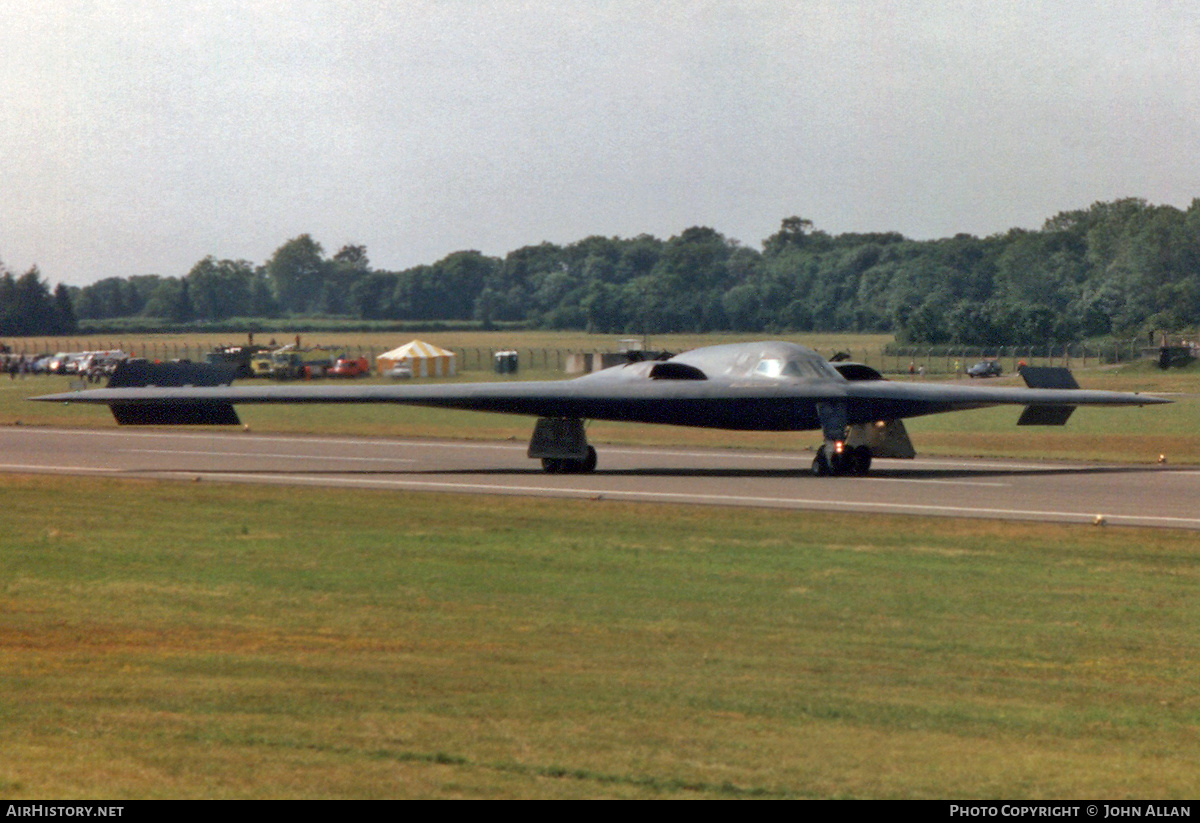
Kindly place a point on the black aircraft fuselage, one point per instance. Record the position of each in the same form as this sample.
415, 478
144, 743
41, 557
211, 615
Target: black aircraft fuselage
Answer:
767, 386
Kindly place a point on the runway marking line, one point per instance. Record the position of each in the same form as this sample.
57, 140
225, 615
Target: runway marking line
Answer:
936, 482
839, 505
44, 468
341, 458
350, 459
416, 443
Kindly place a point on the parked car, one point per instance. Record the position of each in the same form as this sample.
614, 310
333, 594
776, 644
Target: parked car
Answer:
349, 367
287, 364
400, 371
59, 362
986, 368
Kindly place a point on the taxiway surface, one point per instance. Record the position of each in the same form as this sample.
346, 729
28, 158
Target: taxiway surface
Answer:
1153, 495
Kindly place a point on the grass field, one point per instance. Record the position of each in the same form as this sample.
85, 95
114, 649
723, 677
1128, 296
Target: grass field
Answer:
201, 640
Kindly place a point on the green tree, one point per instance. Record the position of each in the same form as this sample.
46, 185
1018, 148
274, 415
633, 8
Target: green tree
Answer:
170, 301
297, 271
793, 234
26, 306
64, 311
219, 289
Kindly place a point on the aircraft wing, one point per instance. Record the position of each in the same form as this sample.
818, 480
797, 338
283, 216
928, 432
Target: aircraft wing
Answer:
887, 400
622, 393
769, 386
595, 397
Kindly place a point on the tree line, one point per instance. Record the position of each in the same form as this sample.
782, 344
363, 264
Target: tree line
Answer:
1114, 268
28, 307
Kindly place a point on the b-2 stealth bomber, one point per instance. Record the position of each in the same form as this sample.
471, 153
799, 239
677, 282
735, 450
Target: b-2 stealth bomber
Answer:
767, 386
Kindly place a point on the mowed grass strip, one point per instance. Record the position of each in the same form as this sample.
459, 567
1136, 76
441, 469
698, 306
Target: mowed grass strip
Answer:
205, 640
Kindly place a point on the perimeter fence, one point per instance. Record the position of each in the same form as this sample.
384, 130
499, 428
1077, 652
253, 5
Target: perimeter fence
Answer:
889, 359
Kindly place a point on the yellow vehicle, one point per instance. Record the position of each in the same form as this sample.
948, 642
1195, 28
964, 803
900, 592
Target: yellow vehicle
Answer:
260, 365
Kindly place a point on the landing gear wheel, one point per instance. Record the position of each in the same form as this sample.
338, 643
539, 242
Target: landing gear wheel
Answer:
566, 465
820, 466
589, 463
855, 460
860, 460
840, 463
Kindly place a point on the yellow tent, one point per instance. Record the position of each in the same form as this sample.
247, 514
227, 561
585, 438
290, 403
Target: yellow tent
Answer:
425, 359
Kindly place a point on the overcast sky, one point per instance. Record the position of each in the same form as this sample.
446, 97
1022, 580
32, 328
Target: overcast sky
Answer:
139, 137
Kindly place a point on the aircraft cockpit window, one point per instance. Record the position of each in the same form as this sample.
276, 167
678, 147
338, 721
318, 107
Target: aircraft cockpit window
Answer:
789, 368
769, 368
822, 369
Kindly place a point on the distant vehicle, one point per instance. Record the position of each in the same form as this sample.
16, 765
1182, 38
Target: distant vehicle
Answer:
97, 365
261, 364
346, 366
73, 362
240, 356
317, 367
287, 364
986, 368
400, 371
58, 363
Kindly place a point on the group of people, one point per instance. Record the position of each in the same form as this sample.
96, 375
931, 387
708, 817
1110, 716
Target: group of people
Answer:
16, 364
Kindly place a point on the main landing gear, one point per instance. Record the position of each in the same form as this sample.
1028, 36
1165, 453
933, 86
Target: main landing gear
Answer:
568, 465
838, 459
561, 445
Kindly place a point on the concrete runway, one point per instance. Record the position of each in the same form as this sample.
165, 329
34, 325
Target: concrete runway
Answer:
1148, 495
